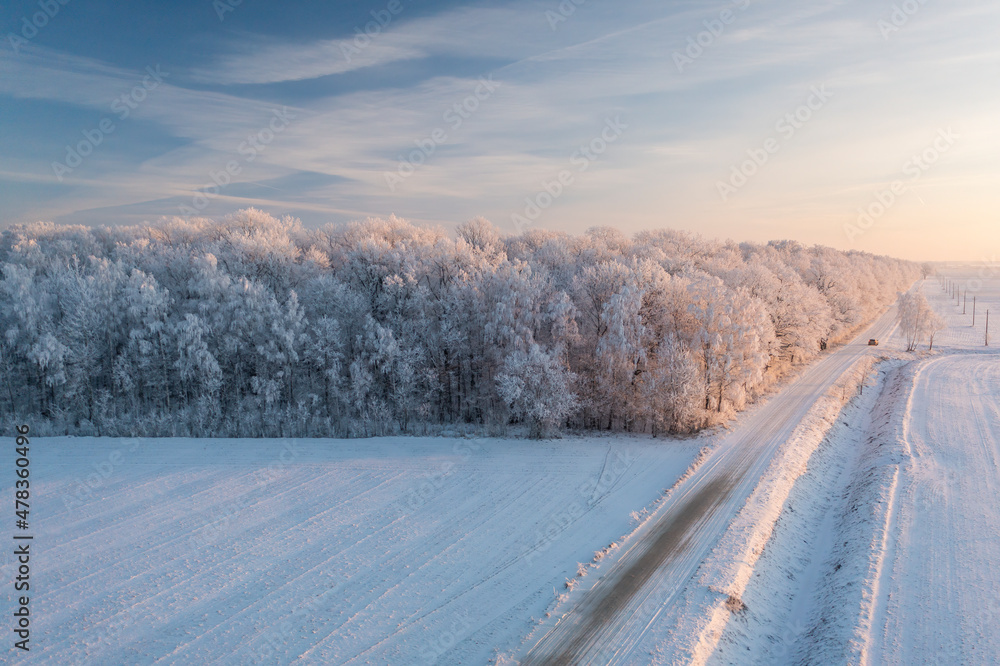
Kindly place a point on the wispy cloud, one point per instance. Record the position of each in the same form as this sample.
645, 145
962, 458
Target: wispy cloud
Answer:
479, 32
46, 74
556, 88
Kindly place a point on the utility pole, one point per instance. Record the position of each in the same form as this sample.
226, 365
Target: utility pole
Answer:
973, 311
965, 301
987, 327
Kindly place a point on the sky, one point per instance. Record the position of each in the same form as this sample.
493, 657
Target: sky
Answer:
869, 125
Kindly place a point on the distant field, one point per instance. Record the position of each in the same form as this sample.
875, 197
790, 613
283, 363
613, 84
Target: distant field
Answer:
979, 286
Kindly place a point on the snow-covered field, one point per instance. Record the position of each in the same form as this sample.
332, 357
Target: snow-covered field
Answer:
939, 593
328, 551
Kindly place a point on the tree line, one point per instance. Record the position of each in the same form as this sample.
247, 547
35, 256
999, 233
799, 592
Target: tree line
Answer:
254, 326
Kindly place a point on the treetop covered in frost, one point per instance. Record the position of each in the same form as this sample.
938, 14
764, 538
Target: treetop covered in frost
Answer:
256, 326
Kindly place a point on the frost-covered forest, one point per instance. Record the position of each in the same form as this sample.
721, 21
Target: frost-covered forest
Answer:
254, 326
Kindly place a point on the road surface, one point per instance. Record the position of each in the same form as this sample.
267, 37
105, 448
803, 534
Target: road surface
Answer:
611, 618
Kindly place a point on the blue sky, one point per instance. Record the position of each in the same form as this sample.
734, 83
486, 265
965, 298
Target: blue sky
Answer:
868, 125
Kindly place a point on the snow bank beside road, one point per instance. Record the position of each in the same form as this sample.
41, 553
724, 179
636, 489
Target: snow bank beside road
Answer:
825, 553
727, 571
841, 624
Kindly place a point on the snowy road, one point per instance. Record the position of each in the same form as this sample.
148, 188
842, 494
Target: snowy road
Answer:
939, 599
626, 615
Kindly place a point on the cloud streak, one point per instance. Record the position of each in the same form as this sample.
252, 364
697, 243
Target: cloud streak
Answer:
557, 88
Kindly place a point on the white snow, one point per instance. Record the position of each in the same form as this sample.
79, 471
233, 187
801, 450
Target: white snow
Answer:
395, 550
732, 563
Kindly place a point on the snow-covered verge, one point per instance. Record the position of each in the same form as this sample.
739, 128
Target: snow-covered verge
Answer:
910, 579
637, 609
780, 597
840, 621
810, 597
724, 576
392, 550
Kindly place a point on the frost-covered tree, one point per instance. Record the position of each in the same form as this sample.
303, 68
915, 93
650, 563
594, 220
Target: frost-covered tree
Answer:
537, 388
917, 320
253, 325
932, 325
